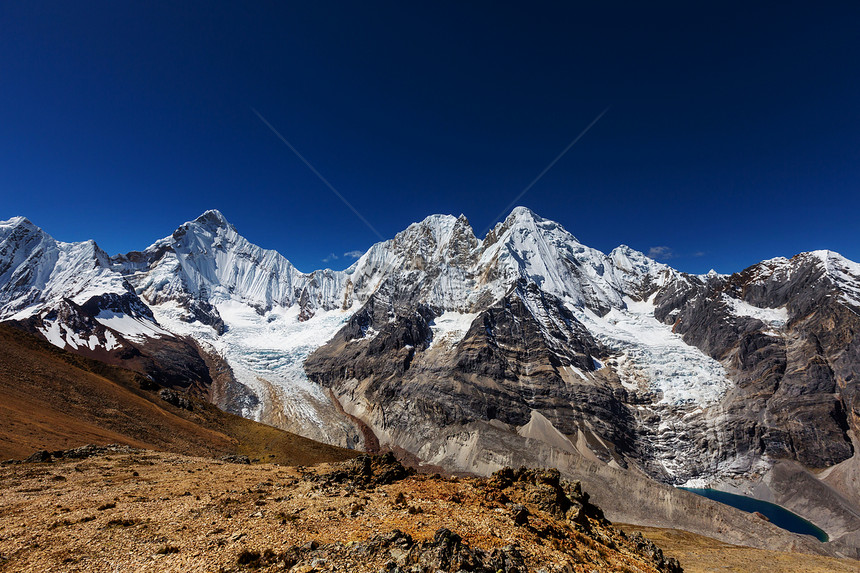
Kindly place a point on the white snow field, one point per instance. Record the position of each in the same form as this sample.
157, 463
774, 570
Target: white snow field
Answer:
773, 317
651, 354
450, 327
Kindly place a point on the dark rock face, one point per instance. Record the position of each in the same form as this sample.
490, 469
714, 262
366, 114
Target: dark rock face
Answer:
167, 361
175, 363
178, 400
509, 332
796, 384
128, 304
482, 377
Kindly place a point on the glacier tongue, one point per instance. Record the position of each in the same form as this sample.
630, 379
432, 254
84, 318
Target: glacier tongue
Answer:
266, 352
654, 358
670, 380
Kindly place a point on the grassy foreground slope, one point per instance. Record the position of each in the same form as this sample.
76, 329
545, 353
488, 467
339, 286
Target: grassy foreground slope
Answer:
51, 399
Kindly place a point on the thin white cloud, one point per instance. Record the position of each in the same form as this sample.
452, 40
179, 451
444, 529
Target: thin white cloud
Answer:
353, 254
330, 257
661, 252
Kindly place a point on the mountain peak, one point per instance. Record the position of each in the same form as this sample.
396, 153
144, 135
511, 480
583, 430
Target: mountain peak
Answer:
437, 234
213, 217
636, 263
16, 222
627, 250
829, 257
20, 230
519, 217
440, 226
632, 254
521, 213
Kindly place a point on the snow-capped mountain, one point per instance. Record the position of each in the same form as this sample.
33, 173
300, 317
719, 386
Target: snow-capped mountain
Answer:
52, 280
525, 346
36, 269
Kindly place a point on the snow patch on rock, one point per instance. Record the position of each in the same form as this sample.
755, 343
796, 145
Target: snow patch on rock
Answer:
450, 327
773, 317
134, 329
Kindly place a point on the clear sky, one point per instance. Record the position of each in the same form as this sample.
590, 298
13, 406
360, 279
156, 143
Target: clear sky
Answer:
733, 133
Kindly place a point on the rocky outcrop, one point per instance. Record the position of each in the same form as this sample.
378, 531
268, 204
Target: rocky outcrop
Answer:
367, 471
446, 552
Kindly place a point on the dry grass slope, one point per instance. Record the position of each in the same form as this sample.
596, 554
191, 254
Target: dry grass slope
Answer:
53, 400
138, 510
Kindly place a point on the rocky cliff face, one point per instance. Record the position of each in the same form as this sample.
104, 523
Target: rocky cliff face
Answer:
786, 332
466, 353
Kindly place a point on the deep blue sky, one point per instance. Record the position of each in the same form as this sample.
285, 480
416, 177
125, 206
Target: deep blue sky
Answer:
733, 133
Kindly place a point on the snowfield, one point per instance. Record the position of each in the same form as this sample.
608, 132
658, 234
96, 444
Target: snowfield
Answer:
450, 327
773, 317
653, 356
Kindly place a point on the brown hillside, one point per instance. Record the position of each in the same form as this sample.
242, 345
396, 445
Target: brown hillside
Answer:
51, 399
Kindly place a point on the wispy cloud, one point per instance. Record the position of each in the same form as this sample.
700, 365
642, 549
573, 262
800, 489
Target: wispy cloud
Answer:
661, 253
330, 257
699, 254
352, 254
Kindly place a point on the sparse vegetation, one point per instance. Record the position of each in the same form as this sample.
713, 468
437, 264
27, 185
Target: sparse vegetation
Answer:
471, 521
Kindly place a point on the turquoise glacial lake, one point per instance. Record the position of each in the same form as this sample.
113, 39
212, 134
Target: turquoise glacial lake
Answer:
777, 514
